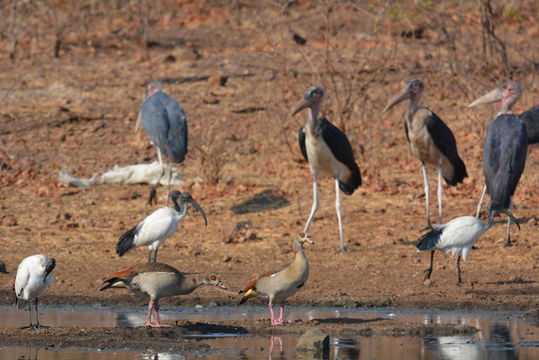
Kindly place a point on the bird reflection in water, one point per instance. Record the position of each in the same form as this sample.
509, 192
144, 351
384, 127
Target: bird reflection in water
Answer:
345, 349
278, 340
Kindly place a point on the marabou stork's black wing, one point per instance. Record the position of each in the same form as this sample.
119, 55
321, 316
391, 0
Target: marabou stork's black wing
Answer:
301, 140
177, 134
155, 120
444, 139
531, 119
504, 157
341, 148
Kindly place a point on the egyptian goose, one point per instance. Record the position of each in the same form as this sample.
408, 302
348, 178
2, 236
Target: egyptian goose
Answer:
158, 280
456, 237
158, 226
283, 284
33, 277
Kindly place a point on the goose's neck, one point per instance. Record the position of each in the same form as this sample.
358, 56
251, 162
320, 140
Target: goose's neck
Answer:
299, 254
192, 284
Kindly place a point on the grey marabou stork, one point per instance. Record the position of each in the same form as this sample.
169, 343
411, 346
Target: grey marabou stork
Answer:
164, 121
33, 277
531, 119
504, 153
431, 141
327, 150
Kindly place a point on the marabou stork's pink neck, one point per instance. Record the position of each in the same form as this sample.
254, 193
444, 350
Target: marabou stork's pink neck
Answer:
314, 110
507, 104
413, 105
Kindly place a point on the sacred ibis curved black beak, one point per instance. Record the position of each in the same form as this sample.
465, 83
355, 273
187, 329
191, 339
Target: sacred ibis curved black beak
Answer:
186, 197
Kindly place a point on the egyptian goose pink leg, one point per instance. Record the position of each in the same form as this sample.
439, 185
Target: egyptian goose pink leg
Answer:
155, 306
281, 313
157, 322
149, 317
273, 320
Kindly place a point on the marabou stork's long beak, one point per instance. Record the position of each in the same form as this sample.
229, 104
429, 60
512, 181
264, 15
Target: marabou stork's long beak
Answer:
187, 197
494, 95
303, 105
400, 97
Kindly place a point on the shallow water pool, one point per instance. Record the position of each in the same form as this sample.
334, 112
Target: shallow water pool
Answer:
502, 335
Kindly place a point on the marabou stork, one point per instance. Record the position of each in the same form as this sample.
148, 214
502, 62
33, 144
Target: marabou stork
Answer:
456, 237
33, 277
431, 141
158, 226
328, 151
504, 153
531, 119
165, 123
158, 280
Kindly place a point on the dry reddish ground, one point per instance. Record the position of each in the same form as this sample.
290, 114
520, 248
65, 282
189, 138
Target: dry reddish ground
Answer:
79, 111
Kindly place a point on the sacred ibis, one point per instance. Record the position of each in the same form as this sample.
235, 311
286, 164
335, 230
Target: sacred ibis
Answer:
158, 226
33, 277
456, 237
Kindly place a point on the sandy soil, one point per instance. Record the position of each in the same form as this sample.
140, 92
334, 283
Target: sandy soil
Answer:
79, 112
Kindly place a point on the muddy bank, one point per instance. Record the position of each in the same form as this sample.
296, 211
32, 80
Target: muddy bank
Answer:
474, 301
172, 339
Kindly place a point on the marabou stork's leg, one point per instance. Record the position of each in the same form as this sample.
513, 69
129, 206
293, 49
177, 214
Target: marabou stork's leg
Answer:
338, 208
153, 191
315, 204
429, 270
427, 196
480, 204
154, 258
440, 193
150, 251
459, 279
508, 236
169, 179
